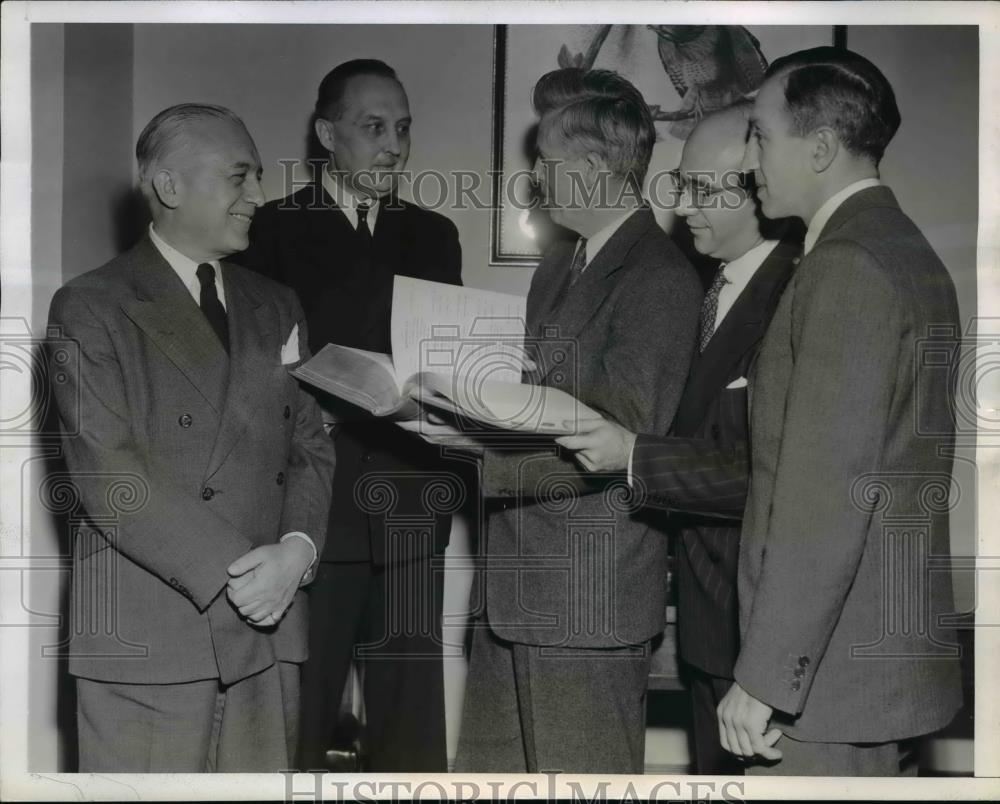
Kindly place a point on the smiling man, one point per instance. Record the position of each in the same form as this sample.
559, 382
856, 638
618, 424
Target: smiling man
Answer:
700, 471
339, 242
843, 647
182, 395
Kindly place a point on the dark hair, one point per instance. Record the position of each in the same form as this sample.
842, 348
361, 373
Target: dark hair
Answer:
334, 84
828, 86
165, 132
601, 112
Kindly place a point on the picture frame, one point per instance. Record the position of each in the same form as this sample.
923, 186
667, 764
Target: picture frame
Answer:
523, 53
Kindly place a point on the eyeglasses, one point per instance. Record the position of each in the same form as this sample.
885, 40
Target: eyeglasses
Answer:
710, 189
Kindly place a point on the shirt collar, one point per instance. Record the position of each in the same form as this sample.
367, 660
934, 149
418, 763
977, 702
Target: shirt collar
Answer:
743, 267
599, 239
348, 201
186, 268
831, 205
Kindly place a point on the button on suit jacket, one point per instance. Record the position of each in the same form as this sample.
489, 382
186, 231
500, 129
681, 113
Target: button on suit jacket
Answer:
306, 242
184, 459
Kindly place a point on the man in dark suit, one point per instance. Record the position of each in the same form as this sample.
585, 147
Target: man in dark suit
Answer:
843, 649
339, 242
701, 469
203, 471
573, 586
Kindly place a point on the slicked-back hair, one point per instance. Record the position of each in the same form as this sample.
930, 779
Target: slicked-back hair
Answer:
598, 111
329, 99
165, 131
828, 86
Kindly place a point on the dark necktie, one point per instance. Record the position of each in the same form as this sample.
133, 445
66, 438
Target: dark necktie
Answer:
210, 304
710, 307
364, 232
579, 262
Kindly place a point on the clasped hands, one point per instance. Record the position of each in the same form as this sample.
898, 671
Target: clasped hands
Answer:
263, 581
743, 723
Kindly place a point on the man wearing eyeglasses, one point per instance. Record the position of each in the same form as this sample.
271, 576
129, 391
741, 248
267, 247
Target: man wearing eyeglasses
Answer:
700, 471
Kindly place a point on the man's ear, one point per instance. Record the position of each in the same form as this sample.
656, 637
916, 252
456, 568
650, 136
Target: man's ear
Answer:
165, 185
826, 146
596, 164
324, 133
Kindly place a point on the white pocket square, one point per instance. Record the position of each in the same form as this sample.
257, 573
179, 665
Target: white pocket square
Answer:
740, 383
290, 351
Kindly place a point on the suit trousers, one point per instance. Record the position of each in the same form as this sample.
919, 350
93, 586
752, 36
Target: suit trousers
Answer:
800, 758
388, 618
250, 726
706, 692
532, 709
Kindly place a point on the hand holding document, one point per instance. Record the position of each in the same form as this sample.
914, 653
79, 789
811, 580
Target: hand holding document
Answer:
457, 349
435, 430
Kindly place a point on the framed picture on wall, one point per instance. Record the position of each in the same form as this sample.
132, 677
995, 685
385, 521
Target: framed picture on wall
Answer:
683, 71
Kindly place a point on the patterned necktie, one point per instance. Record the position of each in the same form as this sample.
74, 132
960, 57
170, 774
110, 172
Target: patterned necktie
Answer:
364, 233
579, 262
710, 307
210, 304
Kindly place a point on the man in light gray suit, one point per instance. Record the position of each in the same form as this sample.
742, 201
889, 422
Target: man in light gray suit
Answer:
192, 622
574, 587
843, 646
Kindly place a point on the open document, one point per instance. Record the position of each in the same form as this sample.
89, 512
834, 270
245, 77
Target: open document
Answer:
454, 348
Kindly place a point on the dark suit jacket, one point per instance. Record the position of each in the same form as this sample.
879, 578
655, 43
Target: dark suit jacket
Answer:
184, 460
306, 242
588, 571
703, 467
850, 436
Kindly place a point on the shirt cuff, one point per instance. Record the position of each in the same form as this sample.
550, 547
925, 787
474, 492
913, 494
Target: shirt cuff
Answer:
307, 575
631, 452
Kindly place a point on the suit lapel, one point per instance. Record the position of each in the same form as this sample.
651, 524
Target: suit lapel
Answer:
164, 309
253, 337
743, 326
570, 315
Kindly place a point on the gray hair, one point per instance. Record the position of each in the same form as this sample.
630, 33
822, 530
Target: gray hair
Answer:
602, 112
163, 134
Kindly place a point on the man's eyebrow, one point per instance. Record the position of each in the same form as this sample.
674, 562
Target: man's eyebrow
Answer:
241, 166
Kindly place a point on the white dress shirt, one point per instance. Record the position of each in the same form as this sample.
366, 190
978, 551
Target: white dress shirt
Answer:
831, 205
739, 272
600, 239
186, 269
348, 202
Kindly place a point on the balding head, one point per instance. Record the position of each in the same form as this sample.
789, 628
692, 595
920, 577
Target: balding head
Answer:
720, 138
719, 210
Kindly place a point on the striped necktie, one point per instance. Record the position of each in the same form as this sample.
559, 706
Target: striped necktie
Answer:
579, 262
710, 307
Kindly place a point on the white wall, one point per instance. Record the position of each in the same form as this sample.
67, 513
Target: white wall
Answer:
269, 75
932, 167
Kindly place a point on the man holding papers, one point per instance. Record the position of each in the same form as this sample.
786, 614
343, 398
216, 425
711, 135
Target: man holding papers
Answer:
574, 587
701, 468
340, 242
